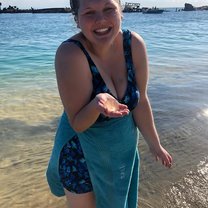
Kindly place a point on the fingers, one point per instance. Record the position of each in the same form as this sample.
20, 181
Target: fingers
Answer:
167, 160
156, 158
117, 113
164, 157
170, 160
110, 107
122, 106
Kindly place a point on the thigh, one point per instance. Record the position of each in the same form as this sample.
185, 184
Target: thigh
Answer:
86, 200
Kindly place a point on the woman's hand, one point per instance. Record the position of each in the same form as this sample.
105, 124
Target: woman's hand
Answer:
109, 106
161, 154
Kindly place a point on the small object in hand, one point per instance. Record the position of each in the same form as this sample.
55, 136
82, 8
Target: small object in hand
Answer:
112, 105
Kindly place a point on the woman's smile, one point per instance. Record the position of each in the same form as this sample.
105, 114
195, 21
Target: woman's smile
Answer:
102, 31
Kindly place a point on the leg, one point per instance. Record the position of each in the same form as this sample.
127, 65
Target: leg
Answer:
86, 200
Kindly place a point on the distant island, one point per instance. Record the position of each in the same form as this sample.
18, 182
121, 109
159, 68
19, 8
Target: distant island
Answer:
190, 7
128, 7
14, 9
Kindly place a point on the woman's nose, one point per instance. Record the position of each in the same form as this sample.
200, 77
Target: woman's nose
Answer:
99, 16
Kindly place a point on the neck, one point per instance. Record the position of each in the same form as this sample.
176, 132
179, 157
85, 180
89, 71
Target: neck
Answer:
101, 50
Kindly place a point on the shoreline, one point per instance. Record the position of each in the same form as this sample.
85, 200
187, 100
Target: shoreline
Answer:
126, 9
14, 10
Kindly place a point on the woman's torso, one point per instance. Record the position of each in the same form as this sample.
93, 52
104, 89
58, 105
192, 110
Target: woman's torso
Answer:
109, 145
117, 79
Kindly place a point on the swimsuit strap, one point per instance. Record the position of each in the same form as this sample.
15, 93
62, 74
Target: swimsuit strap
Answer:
79, 44
128, 55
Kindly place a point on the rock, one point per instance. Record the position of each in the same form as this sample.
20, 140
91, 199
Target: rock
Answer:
189, 7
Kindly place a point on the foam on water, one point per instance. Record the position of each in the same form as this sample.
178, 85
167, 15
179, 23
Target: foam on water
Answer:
191, 191
205, 112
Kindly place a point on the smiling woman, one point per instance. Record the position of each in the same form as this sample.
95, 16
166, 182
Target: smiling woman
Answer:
95, 160
103, 21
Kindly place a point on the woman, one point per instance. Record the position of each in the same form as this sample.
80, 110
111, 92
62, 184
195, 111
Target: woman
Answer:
102, 75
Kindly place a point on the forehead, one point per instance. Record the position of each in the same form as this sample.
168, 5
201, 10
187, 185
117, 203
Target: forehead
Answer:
92, 3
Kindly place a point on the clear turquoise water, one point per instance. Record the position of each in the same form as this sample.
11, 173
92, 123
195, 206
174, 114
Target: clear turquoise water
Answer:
30, 106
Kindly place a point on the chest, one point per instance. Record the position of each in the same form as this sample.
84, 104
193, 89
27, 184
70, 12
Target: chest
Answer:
114, 74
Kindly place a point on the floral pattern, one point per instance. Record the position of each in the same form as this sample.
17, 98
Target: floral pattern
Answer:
73, 170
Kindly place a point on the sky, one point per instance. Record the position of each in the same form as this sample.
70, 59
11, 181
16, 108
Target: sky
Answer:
36, 4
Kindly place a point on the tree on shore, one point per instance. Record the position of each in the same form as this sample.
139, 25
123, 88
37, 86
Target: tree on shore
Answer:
0, 5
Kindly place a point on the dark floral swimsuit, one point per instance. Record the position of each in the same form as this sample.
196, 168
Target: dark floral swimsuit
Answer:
72, 165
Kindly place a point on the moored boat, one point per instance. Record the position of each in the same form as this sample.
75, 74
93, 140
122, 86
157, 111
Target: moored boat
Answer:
153, 10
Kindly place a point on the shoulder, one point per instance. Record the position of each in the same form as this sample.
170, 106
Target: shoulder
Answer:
68, 51
140, 61
137, 43
71, 64
138, 48
68, 56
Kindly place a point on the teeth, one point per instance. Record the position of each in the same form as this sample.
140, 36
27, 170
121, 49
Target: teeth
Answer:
101, 30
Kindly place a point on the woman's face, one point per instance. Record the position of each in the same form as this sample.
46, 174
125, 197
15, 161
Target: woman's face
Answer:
99, 20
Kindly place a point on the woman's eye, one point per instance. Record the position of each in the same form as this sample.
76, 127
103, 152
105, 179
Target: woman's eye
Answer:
89, 13
109, 9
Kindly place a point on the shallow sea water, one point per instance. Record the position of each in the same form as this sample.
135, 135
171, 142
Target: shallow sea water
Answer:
30, 106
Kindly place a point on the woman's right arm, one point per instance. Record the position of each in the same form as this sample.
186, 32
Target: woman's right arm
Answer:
75, 87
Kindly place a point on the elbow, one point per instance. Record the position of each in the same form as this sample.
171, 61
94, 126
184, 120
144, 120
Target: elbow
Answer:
77, 127
144, 99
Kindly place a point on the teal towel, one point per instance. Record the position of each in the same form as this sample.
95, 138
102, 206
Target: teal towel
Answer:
110, 150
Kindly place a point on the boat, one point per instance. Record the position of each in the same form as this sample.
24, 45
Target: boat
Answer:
153, 10
132, 7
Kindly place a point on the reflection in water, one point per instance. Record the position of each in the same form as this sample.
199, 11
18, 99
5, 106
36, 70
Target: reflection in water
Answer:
30, 103
205, 112
191, 191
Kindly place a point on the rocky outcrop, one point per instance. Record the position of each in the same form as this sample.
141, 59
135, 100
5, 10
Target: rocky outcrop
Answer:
189, 7
202, 8
14, 9
52, 10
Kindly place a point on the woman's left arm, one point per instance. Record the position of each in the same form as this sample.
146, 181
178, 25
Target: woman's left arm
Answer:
142, 114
